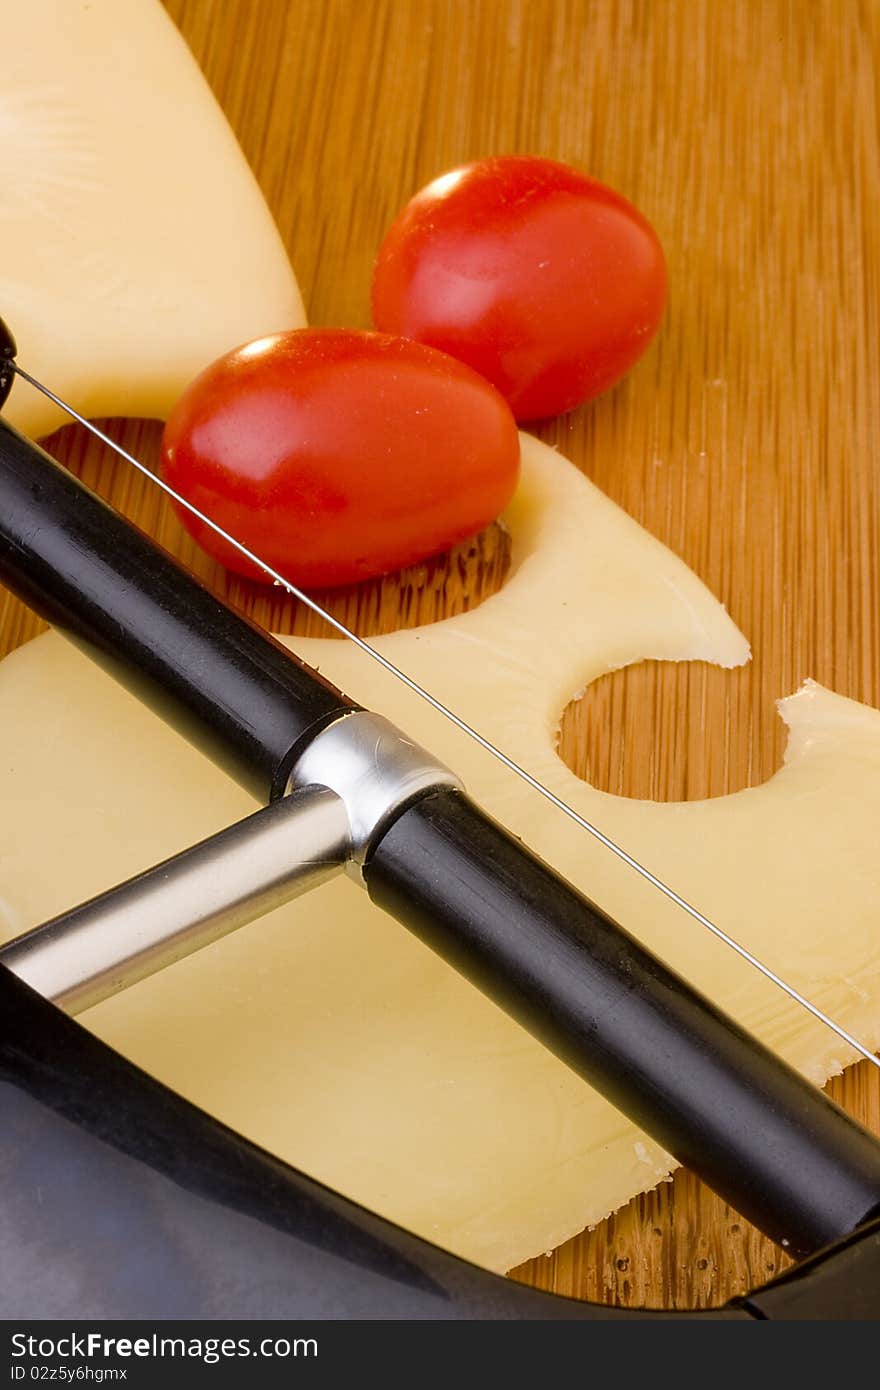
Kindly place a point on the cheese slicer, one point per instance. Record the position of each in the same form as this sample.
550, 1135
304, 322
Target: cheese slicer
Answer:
345, 791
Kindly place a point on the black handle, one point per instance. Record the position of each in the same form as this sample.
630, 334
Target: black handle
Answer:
772, 1144
232, 689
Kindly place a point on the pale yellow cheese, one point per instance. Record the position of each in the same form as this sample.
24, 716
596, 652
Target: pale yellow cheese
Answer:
136, 245
326, 1032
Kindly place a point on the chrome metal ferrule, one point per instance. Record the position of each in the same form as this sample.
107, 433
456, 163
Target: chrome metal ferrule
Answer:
375, 769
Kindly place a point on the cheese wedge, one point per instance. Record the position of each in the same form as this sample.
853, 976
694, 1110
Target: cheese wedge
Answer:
327, 1033
136, 245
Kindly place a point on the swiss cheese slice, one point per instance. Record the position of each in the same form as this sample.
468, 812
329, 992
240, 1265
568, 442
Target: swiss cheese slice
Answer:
328, 1034
136, 245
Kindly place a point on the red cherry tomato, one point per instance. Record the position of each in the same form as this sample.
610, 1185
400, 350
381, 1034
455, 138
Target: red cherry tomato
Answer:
541, 279
336, 455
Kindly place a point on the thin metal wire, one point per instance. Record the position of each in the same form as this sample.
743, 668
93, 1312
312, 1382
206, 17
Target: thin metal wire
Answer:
461, 724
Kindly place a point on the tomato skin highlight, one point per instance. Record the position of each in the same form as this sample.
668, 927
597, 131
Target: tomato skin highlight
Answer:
337, 455
545, 281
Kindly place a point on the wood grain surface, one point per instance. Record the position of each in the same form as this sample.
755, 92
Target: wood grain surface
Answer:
748, 438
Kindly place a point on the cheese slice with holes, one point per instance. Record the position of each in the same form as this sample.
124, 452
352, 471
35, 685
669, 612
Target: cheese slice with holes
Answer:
327, 1033
135, 245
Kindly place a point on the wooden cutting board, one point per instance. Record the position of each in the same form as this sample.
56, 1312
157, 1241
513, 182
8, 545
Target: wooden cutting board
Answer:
748, 440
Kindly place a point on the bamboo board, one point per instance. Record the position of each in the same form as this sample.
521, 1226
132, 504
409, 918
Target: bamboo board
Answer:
748, 440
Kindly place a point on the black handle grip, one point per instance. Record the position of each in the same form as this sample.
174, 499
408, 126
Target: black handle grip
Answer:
232, 689
771, 1143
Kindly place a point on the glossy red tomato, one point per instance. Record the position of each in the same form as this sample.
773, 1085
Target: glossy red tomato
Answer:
543, 280
336, 455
